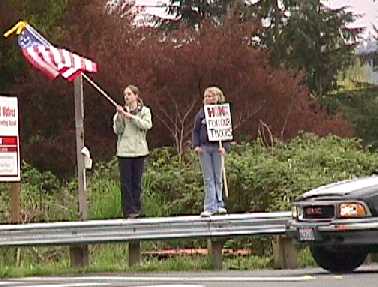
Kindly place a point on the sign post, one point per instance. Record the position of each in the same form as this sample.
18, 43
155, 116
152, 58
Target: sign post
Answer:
219, 128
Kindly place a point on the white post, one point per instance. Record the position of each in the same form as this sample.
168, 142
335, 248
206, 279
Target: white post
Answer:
224, 173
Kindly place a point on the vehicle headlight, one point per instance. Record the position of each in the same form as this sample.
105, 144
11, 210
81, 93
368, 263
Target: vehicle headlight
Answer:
294, 212
352, 210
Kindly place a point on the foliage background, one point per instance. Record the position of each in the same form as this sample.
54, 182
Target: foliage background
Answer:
171, 67
260, 178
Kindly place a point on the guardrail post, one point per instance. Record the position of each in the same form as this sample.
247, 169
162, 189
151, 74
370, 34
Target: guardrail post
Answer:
134, 253
214, 247
284, 253
79, 255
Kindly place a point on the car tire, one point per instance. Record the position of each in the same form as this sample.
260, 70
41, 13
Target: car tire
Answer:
339, 260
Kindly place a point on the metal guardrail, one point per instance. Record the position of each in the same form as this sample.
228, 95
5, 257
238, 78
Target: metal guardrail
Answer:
113, 230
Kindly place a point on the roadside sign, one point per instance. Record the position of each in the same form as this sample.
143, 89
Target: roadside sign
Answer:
9, 140
218, 120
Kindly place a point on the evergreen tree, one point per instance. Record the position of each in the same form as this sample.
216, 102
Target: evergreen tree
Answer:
315, 39
302, 35
193, 12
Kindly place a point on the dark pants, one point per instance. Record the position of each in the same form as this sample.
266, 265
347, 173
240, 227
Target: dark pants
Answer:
131, 171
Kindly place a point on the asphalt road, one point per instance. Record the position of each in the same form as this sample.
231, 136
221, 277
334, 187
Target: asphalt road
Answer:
365, 276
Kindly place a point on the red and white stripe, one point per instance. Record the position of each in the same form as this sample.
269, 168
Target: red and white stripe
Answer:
53, 62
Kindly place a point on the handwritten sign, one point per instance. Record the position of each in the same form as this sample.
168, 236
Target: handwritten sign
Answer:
218, 120
9, 140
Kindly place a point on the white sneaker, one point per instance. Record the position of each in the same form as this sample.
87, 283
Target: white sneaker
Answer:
206, 213
222, 210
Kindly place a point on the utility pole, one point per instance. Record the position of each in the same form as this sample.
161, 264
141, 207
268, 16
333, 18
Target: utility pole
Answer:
79, 253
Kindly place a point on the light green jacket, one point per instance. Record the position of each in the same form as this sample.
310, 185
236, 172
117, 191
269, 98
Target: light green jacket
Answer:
131, 133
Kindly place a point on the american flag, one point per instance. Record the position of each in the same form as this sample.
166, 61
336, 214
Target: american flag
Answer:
52, 61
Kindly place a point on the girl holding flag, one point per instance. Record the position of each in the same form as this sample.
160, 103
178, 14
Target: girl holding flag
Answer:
130, 124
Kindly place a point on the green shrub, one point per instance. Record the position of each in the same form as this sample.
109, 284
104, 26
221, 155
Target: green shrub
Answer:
104, 191
43, 197
259, 178
269, 179
175, 183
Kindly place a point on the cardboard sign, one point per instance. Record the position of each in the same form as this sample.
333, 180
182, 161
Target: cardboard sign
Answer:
9, 140
218, 120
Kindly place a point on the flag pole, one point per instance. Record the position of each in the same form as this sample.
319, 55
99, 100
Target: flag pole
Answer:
21, 25
100, 90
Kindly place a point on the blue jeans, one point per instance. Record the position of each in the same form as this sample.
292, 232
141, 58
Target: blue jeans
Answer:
211, 165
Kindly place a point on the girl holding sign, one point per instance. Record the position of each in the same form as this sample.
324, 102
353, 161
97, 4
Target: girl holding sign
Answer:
210, 155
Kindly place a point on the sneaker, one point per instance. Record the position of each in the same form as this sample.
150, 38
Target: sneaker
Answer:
206, 213
222, 210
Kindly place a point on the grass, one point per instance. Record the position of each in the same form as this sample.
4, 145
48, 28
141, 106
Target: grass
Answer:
247, 262
305, 258
114, 258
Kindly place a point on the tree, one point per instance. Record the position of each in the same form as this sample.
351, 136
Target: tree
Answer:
194, 12
8, 64
302, 35
172, 70
311, 37
43, 13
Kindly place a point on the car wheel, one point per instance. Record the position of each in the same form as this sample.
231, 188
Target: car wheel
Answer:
339, 260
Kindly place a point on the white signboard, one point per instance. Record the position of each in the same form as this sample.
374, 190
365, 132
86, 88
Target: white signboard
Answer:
218, 120
9, 140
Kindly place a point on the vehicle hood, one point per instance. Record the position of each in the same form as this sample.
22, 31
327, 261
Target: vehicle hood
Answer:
357, 187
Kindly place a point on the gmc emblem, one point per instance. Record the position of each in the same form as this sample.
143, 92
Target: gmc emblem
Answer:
313, 211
